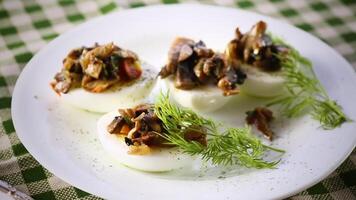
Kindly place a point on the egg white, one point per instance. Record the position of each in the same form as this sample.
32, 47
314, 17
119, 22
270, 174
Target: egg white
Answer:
201, 99
158, 160
124, 97
262, 84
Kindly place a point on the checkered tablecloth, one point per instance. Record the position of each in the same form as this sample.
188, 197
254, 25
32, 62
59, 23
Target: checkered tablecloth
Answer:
27, 26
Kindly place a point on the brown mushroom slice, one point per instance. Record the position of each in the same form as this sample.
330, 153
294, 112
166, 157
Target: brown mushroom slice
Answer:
269, 63
253, 40
234, 53
202, 51
123, 112
139, 117
164, 72
214, 66
142, 108
150, 138
132, 132
259, 50
199, 70
261, 117
115, 126
231, 79
174, 54
129, 113
147, 128
185, 78
153, 122
185, 52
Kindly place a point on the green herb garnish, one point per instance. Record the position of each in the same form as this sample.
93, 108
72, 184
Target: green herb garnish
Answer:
234, 146
305, 92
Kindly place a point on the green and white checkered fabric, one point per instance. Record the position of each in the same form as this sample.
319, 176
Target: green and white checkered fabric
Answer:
26, 26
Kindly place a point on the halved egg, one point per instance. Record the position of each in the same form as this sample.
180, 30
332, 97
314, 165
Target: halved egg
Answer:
101, 78
122, 96
157, 160
257, 56
262, 84
203, 98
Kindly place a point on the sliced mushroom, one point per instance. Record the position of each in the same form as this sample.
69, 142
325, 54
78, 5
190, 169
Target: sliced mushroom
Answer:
150, 138
185, 78
199, 70
253, 40
185, 52
142, 108
129, 113
254, 48
202, 51
268, 62
131, 133
139, 118
174, 54
231, 79
234, 53
261, 117
214, 66
115, 126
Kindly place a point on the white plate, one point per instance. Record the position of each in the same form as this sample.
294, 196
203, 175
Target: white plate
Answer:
63, 139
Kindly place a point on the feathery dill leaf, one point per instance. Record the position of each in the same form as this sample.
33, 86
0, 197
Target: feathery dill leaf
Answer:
305, 92
235, 146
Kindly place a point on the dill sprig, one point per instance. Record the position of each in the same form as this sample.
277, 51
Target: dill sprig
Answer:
305, 92
234, 146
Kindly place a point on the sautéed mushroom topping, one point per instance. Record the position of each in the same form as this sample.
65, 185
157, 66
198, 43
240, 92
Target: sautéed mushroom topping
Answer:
143, 129
255, 48
191, 64
96, 69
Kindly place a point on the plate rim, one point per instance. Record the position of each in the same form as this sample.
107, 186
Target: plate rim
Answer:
98, 19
